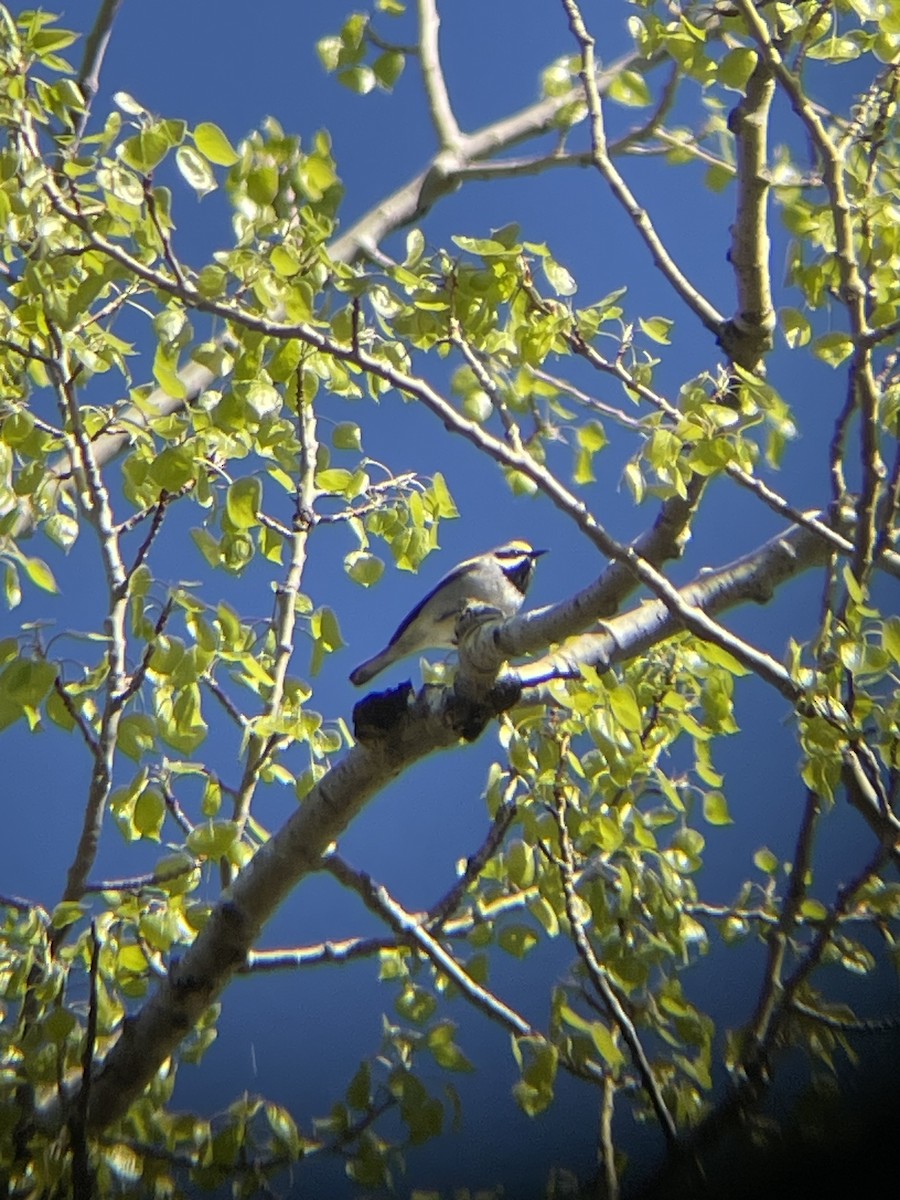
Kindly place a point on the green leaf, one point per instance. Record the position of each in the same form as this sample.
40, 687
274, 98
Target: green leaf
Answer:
765, 861
517, 940
835, 50
27, 681
630, 88
537, 1060
558, 277
346, 436
833, 348
415, 248
736, 68
284, 1129
329, 52
40, 574
890, 637
137, 735
591, 436
625, 708
66, 913
242, 502
149, 814
599, 1034
334, 480
795, 327
359, 79
486, 247
446, 1053
12, 591
325, 628
284, 261
657, 329
388, 68
213, 839
131, 959
146, 150
195, 170
214, 145
262, 184
363, 568
165, 372
715, 809
442, 502
718, 177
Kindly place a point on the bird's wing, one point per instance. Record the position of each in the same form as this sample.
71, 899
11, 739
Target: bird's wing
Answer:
428, 599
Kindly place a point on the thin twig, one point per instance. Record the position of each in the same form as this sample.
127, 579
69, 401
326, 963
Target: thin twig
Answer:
600, 978
711, 318
82, 1175
475, 864
406, 925
75, 713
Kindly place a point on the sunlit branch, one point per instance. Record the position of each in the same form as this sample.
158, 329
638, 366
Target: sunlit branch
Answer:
26, 907
406, 925
441, 177
349, 949
99, 512
75, 713
225, 700
259, 746
95, 47
863, 390
435, 83
752, 326
179, 816
711, 318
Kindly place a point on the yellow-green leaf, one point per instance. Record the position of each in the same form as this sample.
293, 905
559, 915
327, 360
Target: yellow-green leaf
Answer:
214, 145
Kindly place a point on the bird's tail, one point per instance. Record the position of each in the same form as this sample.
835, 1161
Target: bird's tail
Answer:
370, 668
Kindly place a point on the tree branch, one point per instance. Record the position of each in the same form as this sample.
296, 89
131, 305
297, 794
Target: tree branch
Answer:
711, 318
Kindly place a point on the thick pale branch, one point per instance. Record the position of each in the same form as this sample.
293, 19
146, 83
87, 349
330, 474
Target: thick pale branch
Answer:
750, 332
755, 577
439, 104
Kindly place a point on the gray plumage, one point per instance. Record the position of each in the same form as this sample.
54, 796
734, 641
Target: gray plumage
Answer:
499, 577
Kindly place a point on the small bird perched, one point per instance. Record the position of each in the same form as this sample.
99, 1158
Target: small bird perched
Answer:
498, 577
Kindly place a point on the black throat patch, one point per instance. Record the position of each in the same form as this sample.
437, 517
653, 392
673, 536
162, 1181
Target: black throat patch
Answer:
519, 573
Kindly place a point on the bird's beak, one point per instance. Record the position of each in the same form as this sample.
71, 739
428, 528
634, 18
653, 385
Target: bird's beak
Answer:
537, 553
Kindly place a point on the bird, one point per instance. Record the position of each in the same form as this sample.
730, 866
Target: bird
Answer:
499, 578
